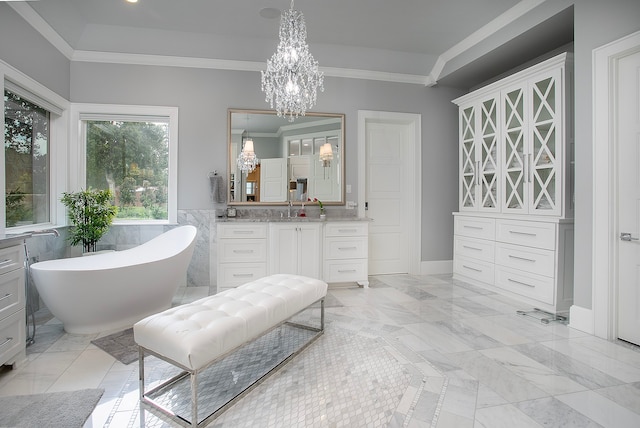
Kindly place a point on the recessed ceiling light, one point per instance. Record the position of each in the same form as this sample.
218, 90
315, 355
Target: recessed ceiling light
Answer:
132, 1
270, 13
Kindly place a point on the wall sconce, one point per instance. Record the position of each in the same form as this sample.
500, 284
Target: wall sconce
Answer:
326, 155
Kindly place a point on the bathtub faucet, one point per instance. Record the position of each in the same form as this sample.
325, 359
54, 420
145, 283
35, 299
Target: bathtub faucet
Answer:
45, 232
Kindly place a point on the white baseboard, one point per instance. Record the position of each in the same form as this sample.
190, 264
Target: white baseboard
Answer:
438, 267
581, 319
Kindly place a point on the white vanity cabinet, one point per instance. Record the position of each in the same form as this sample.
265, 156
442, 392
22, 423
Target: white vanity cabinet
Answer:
335, 251
295, 248
346, 252
514, 234
12, 304
242, 253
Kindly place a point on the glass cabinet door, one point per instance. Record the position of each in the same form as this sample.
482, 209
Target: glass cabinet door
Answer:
488, 156
513, 137
545, 138
467, 158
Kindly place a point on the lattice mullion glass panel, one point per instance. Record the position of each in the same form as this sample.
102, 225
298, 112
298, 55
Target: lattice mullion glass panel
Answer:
514, 151
489, 154
544, 144
468, 158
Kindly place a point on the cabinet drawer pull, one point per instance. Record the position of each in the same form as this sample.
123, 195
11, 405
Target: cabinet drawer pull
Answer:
243, 232
471, 248
5, 262
243, 251
515, 232
471, 268
242, 275
6, 297
9, 339
347, 230
473, 227
521, 258
520, 283
347, 248
346, 270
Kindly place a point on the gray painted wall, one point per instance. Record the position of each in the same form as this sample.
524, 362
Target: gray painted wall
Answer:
597, 23
25, 49
203, 97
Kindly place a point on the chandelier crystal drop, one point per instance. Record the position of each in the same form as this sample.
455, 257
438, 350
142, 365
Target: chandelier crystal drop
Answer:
292, 78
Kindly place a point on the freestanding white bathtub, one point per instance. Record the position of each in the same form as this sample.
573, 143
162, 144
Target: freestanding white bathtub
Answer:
114, 290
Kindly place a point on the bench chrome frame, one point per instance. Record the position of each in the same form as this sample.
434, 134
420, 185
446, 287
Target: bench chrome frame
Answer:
147, 403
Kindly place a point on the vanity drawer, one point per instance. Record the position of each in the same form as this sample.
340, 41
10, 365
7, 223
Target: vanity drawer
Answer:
12, 336
233, 274
242, 250
355, 228
11, 258
345, 271
475, 227
528, 259
11, 292
474, 248
345, 248
474, 269
242, 231
529, 233
534, 286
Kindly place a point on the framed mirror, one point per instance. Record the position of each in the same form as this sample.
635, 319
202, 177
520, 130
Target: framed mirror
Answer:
294, 160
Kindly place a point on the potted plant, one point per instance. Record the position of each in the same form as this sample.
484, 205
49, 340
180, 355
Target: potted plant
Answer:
91, 213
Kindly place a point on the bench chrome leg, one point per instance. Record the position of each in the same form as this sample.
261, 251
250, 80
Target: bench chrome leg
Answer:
141, 377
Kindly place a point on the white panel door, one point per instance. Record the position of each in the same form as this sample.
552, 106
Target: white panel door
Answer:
386, 180
273, 180
629, 198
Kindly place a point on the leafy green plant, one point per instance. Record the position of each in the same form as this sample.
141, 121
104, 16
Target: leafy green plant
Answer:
91, 213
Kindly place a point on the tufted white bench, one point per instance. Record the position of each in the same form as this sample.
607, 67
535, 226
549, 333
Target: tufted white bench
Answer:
196, 335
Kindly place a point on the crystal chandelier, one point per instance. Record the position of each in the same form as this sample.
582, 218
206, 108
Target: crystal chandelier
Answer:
292, 77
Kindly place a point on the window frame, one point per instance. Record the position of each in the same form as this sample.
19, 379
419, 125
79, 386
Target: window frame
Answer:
58, 132
80, 112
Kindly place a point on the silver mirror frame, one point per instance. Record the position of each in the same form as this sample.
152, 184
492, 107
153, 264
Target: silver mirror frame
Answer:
231, 162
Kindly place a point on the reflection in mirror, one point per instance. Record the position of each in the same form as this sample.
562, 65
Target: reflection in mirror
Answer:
296, 161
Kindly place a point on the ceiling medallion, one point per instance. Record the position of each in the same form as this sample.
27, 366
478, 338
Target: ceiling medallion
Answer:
292, 76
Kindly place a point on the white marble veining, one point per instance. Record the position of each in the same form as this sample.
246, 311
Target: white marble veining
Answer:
473, 363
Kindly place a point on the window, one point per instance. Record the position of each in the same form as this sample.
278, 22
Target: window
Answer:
26, 161
130, 150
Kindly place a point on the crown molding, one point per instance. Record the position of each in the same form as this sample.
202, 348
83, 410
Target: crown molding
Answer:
40, 25
431, 79
481, 34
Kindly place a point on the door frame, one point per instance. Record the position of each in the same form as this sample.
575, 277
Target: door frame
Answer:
414, 187
605, 185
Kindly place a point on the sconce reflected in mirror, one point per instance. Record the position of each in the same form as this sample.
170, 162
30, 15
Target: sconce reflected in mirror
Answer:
326, 155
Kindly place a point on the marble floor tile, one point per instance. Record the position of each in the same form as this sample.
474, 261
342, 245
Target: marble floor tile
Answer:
552, 413
601, 409
505, 416
534, 372
596, 359
492, 373
471, 361
564, 365
627, 395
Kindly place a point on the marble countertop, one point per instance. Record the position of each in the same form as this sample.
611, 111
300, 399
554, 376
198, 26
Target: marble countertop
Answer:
11, 240
277, 219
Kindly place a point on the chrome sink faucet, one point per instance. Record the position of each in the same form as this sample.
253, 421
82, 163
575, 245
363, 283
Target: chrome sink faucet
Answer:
289, 209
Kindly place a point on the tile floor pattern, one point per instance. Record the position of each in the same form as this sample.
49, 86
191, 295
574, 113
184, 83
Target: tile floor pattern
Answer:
473, 363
